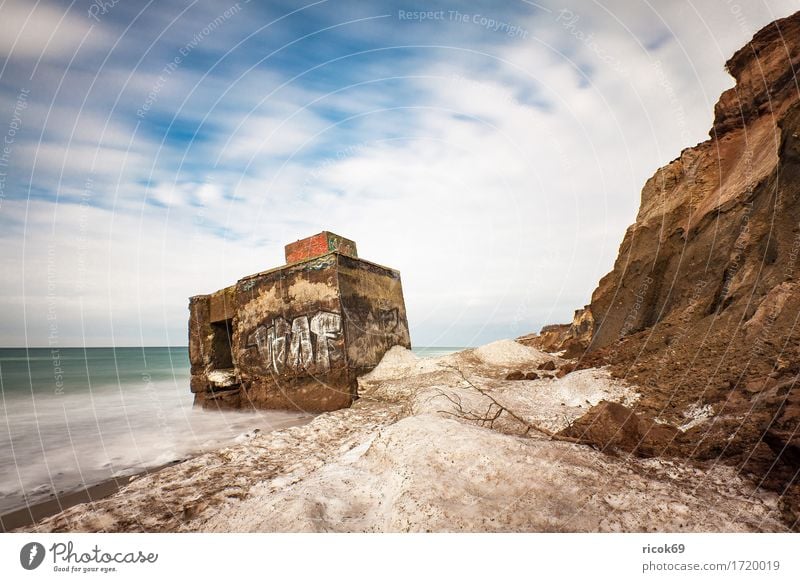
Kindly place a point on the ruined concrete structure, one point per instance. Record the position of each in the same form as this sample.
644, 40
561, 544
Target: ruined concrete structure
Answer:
298, 336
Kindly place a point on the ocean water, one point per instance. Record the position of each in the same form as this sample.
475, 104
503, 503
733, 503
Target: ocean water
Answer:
74, 417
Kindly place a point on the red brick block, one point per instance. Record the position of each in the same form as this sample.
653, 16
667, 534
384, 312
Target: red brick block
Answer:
318, 245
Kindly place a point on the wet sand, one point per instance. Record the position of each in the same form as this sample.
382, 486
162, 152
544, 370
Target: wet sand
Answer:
27, 516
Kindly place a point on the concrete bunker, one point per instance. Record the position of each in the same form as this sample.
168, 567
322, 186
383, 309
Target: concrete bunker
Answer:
297, 336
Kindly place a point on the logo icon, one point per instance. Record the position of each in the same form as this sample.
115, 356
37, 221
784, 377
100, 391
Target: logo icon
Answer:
31, 555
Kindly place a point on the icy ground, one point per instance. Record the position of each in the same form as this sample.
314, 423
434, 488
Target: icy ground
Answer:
424, 449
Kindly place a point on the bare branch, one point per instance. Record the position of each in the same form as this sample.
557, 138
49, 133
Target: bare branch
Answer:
490, 416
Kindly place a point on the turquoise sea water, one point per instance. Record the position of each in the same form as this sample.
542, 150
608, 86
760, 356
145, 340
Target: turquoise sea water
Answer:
72, 417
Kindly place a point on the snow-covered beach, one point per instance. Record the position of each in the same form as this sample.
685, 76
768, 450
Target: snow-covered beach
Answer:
425, 449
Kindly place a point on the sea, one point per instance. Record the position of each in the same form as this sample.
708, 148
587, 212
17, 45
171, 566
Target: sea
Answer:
74, 417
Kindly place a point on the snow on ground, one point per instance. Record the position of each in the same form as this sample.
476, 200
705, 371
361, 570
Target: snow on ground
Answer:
439, 385
589, 387
399, 363
428, 473
696, 414
508, 353
422, 450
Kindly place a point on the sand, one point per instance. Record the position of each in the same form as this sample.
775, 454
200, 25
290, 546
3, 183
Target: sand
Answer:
423, 450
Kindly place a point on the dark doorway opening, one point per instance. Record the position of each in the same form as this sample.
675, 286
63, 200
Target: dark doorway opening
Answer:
221, 342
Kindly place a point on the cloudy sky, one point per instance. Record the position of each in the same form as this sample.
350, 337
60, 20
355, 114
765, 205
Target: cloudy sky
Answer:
493, 152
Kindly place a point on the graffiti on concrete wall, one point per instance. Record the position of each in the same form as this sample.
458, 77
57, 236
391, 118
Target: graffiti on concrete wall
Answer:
378, 322
307, 343
374, 332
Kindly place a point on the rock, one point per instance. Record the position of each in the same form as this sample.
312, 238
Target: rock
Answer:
531, 376
610, 426
763, 84
705, 291
564, 370
548, 365
515, 375
756, 458
785, 444
759, 384
714, 248
571, 337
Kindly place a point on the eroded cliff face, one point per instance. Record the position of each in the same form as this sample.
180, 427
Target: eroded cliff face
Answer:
702, 308
717, 227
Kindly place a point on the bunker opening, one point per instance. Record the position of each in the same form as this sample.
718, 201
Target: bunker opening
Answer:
221, 344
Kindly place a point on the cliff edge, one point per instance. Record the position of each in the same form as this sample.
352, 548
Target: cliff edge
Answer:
702, 306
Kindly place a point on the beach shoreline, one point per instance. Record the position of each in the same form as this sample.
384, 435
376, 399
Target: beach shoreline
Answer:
29, 515
413, 454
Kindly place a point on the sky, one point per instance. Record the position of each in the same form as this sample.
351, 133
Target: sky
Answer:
493, 152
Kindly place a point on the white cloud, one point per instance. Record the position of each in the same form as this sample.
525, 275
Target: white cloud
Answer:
39, 30
500, 184
107, 276
271, 136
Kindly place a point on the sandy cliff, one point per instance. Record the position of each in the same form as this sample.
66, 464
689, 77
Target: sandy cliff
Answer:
701, 308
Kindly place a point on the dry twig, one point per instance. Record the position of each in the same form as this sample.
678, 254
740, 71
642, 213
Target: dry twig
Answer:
494, 411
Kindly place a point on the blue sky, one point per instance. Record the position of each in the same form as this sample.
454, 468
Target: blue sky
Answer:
493, 152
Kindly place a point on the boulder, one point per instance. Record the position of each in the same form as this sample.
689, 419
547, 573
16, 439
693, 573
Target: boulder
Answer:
613, 427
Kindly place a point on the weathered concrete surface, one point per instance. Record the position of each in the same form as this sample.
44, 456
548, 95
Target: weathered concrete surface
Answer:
296, 337
375, 314
209, 346
221, 304
288, 338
